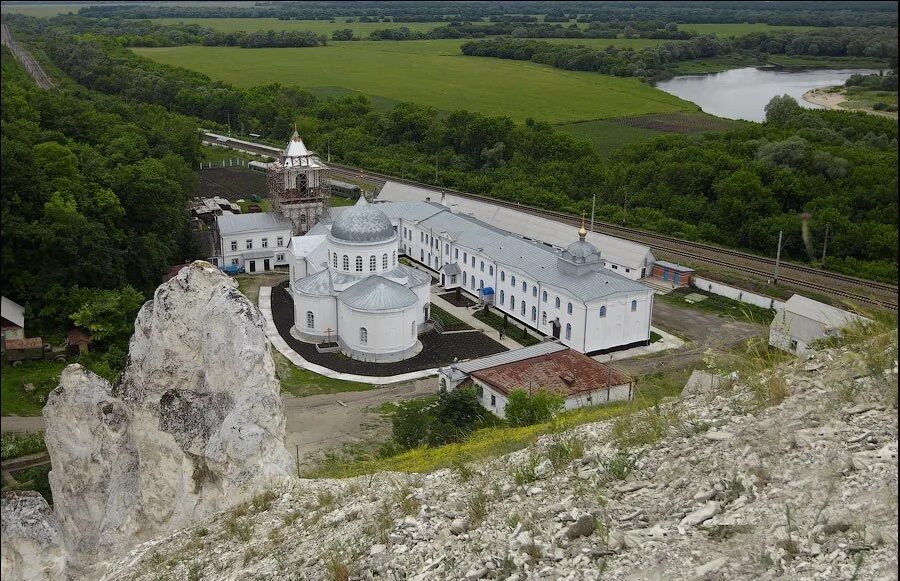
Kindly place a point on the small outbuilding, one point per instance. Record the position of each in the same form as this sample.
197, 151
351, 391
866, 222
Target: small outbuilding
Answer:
802, 321
77, 342
579, 379
672, 274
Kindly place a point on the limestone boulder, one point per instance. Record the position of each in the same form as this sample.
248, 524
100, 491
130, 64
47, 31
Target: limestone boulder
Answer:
30, 538
194, 425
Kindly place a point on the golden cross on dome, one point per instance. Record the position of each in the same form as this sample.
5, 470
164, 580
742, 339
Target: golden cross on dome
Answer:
582, 233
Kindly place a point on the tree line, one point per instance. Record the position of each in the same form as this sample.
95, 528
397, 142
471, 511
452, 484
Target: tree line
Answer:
126, 32
737, 188
840, 13
94, 206
629, 29
652, 62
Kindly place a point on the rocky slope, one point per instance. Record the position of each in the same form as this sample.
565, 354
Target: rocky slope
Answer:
195, 425
713, 486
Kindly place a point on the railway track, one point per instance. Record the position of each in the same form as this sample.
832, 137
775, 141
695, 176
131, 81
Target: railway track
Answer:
857, 290
31, 65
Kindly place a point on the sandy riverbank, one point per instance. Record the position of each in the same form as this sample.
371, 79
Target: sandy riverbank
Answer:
826, 100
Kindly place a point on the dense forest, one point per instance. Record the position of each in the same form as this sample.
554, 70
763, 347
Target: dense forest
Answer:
843, 13
737, 188
876, 43
93, 205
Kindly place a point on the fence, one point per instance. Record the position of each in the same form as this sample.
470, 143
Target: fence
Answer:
741, 295
223, 163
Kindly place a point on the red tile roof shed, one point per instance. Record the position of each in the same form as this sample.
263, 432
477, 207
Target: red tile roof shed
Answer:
565, 372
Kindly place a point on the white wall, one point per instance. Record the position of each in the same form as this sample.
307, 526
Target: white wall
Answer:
751, 298
324, 310
366, 251
388, 332
622, 392
621, 325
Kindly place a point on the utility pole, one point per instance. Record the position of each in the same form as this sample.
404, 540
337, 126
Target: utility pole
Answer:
778, 255
229, 124
825, 243
329, 150
435, 169
593, 207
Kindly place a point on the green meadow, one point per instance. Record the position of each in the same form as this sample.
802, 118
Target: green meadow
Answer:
430, 73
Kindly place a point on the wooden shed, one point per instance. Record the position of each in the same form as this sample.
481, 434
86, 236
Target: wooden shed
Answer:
77, 342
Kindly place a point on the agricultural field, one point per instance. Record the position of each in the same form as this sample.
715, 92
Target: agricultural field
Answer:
41, 10
430, 73
608, 135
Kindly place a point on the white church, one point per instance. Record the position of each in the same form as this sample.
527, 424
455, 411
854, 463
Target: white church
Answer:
349, 288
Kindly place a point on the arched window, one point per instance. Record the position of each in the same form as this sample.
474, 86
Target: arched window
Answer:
372, 262
568, 331
512, 280
534, 313
524, 286
602, 311
473, 262
464, 279
481, 266
512, 302
363, 335
335, 259
421, 255
544, 318
472, 284
310, 320
384, 261
491, 270
633, 306
544, 296
569, 308
502, 276
502, 294
557, 302
481, 283
346, 262
359, 264
523, 309
534, 291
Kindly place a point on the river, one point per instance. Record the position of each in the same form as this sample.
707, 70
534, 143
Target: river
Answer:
744, 93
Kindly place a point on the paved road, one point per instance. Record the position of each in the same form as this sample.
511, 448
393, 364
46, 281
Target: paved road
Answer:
318, 423
22, 424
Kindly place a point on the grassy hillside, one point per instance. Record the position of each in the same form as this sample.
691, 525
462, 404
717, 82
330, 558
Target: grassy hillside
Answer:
431, 73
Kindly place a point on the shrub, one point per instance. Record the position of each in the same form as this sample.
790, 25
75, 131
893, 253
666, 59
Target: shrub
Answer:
541, 406
450, 418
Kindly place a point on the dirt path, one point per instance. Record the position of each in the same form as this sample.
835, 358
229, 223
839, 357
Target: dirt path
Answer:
318, 424
703, 329
22, 424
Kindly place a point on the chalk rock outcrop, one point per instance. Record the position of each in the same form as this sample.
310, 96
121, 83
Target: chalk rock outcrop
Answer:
194, 425
30, 539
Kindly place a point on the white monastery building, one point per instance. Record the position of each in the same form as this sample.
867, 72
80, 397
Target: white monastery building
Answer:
566, 294
254, 242
349, 287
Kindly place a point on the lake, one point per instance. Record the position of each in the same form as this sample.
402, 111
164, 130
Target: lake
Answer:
744, 93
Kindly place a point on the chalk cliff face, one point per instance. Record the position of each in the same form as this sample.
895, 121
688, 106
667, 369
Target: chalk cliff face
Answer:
30, 539
194, 425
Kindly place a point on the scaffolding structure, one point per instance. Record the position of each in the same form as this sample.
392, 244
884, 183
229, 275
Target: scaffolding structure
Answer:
298, 186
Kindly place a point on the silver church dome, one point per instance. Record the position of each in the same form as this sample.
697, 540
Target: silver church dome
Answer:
362, 223
581, 250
